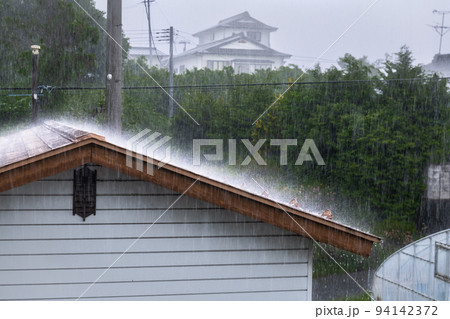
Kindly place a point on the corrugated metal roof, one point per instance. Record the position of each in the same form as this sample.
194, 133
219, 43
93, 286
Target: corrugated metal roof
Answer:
38, 140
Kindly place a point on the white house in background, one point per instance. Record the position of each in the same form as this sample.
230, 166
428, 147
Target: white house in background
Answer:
157, 55
241, 42
440, 64
72, 202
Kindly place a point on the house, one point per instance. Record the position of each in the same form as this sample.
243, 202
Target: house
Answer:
77, 219
158, 57
440, 65
241, 42
419, 271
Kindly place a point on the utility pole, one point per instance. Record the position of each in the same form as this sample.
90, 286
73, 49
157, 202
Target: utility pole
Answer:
171, 74
114, 65
147, 4
164, 36
441, 29
34, 80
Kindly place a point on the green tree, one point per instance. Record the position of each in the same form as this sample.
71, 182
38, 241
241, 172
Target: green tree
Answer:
71, 43
72, 54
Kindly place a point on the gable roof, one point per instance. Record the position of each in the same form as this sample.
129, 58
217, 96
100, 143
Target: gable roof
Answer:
241, 20
215, 47
51, 148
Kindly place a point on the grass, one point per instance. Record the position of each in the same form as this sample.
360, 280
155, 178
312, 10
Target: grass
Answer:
324, 266
359, 297
394, 234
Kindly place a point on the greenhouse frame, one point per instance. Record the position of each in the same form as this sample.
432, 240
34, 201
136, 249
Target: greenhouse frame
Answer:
418, 271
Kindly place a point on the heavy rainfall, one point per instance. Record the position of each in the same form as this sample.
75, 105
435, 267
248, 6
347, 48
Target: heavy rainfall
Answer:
345, 119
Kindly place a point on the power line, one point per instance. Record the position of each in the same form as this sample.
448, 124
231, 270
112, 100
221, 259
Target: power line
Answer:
193, 86
164, 15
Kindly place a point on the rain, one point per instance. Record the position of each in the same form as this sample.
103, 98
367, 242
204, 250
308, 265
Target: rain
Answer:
344, 120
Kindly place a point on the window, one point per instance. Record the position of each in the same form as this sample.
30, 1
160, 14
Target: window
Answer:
263, 66
442, 262
84, 192
242, 68
254, 35
217, 64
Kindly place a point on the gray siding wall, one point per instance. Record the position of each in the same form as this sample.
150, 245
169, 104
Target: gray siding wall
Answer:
195, 251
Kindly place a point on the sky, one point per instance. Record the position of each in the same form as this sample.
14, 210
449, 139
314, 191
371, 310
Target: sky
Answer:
307, 29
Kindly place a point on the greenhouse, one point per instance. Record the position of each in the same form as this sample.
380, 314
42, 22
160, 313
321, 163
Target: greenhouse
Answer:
419, 271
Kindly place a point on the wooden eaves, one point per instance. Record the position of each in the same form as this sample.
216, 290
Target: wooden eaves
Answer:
81, 147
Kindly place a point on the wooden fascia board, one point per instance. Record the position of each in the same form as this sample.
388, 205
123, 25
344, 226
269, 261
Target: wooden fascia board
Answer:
227, 197
84, 141
94, 150
45, 165
241, 192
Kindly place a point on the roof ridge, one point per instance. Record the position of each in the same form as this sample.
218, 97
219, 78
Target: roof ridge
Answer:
236, 16
70, 133
228, 23
58, 128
